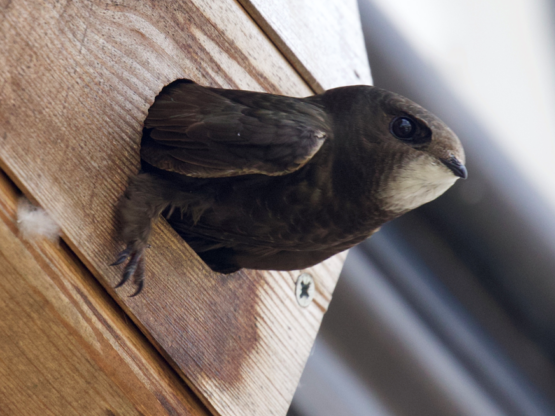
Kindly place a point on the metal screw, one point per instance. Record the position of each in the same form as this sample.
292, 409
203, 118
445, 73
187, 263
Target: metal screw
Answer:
305, 289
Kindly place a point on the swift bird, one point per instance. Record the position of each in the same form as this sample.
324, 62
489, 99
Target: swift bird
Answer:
264, 181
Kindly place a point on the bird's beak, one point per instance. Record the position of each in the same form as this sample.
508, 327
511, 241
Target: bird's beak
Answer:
456, 167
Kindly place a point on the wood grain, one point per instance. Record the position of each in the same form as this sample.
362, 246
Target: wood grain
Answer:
321, 38
76, 81
66, 348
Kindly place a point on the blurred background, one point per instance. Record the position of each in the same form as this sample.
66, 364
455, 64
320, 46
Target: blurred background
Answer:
450, 310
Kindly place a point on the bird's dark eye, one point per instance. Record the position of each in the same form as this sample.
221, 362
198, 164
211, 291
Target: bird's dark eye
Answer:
403, 128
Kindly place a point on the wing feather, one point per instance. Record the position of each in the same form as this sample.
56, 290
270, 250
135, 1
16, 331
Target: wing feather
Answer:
210, 132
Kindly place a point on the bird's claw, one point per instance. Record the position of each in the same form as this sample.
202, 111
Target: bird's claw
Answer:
122, 256
134, 268
140, 284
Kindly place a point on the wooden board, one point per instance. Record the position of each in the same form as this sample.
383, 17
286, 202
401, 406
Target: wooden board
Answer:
321, 38
66, 348
76, 81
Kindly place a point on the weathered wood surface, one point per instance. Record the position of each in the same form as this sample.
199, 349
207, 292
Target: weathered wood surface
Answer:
65, 347
76, 81
321, 38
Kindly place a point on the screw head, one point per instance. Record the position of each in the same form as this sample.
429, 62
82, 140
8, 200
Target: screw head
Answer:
305, 289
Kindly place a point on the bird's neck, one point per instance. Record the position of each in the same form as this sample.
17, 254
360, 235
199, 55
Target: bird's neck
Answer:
347, 181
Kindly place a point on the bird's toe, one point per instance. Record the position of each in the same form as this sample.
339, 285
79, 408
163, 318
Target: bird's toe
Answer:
134, 268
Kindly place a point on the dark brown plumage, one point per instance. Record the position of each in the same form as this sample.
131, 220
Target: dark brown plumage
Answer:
264, 181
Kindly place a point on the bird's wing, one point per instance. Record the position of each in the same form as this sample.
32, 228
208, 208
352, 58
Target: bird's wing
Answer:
209, 132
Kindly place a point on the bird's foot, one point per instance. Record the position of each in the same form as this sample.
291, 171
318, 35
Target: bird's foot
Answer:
135, 268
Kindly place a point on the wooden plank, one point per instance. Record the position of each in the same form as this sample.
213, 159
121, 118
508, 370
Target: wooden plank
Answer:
66, 348
76, 81
321, 38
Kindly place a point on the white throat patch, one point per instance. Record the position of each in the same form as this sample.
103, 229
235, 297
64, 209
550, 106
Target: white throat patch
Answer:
416, 183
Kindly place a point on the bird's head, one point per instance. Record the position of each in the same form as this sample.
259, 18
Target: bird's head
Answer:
422, 156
